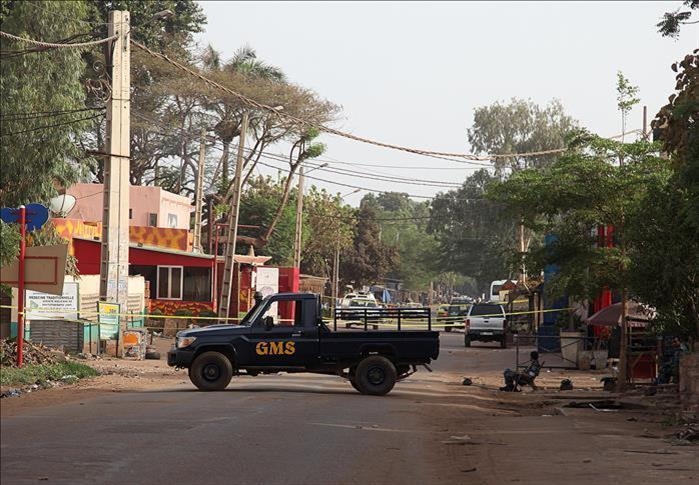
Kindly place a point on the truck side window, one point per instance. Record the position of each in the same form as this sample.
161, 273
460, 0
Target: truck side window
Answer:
298, 313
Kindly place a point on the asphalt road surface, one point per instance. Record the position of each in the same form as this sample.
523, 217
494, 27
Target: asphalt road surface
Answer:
307, 429
268, 429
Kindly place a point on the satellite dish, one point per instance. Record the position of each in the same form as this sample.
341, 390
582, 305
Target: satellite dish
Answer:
62, 204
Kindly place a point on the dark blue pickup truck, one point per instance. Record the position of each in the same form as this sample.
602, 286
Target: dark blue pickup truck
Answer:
372, 360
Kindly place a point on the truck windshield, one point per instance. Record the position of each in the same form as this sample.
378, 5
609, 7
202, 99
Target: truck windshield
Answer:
489, 310
254, 312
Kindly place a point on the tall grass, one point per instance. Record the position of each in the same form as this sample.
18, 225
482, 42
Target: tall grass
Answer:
37, 373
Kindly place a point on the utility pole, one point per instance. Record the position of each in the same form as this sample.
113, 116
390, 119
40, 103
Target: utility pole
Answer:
299, 222
645, 123
114, 264
336, 274
232, 233
198, 197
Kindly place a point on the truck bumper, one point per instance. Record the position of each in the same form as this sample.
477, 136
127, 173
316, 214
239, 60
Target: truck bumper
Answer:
180, 358
486, 335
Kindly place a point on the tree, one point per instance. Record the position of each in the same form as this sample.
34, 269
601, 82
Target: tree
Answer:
626, 96
519, 127
585, 188
42, 102
666, 268
471, 231
671, 22
369, 260
328, 226
403, 223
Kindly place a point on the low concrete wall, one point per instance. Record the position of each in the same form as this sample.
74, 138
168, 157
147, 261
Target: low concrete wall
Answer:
689, 381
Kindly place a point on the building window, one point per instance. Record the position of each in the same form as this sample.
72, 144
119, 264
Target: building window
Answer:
153, 220
172, 221
169, 282
130, 213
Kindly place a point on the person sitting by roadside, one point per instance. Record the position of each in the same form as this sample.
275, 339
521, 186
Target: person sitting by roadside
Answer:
514, 379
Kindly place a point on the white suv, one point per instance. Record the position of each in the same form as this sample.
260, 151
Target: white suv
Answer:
485, 322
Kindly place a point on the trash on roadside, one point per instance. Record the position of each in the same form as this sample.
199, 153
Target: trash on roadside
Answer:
566, 385
466, 382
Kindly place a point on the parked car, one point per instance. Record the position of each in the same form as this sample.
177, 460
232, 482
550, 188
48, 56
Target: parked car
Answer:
357, 309
453, 315
485, 322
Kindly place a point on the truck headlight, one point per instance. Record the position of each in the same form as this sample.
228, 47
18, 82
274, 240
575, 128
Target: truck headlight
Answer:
185, 341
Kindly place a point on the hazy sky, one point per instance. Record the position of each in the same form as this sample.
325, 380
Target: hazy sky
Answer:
411, 73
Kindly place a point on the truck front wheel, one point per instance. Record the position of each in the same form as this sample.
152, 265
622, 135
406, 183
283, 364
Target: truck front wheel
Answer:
211, 371
376, 375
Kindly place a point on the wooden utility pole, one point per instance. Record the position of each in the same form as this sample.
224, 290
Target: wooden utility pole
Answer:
114, 264
232, 233
299, 221
199, 196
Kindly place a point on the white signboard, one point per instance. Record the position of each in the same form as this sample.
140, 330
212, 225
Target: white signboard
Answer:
43, 306
267, 283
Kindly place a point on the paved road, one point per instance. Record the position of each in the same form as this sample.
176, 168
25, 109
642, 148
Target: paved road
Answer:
269, 429
306, 429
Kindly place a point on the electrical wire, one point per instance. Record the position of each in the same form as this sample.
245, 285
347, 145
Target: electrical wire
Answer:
250, 102
44, 114
53, 45
44, 127
282, 158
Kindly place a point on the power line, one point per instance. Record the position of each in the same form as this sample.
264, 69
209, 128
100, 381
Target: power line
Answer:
44, 127
28, 115
282, 158
320, 127
53, 45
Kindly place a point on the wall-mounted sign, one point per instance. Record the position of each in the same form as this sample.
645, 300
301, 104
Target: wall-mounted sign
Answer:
44, 306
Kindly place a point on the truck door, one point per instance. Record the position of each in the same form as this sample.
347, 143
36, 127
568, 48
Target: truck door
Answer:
285, 343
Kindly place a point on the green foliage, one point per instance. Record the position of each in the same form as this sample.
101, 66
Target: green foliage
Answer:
9, 243
161, 34
517, 127
403, 224
671, 22
664, 269
327, 228
259, 203
39, 95
472, 232
666, 233
581, 191
369, 260
626, 97
32, 374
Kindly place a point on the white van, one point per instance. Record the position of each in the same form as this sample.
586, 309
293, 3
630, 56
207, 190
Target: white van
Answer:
495, 286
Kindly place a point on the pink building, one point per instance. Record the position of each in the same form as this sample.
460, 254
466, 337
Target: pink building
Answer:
148, 206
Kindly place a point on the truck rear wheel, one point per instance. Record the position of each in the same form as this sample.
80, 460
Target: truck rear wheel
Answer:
376, 375
211, 371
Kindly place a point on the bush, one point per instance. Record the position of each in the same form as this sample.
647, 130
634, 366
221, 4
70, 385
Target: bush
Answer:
32, 374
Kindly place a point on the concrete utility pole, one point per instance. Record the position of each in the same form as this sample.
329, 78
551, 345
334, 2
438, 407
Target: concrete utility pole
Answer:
114, 267
232, 233
299, 221
199, 196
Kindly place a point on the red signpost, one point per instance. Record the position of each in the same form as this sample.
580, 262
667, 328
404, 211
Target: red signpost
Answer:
20, 285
